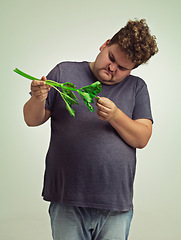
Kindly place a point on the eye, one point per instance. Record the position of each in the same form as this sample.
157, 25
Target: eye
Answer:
122, 68
111, 57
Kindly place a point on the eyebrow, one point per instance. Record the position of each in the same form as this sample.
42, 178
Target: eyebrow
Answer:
113, 58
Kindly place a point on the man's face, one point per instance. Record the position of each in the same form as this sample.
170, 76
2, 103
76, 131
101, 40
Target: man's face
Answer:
111, 65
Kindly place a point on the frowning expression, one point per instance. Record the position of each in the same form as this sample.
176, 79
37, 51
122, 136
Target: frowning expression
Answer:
111, 65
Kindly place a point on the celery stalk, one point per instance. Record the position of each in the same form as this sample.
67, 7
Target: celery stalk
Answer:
87, 93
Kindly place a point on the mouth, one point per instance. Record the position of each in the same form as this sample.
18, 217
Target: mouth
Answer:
108, 72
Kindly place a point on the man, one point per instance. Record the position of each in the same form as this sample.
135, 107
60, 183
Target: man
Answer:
91, 160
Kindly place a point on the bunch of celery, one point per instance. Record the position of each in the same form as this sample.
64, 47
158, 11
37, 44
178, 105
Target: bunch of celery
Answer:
87, 93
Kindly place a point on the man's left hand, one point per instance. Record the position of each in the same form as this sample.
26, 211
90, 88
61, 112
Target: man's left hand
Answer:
106, 109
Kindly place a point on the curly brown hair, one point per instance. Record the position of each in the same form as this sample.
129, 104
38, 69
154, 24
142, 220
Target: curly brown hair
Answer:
136, 41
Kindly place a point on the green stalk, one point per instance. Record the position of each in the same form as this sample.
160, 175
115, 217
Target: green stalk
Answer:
25, 75
57, 90
71, 89
53, 83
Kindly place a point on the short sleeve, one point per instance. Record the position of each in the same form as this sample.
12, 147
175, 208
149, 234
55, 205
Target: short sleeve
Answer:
54, 75
142, 108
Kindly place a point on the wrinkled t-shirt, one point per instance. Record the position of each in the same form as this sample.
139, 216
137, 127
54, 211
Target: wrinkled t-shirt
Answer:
88, 164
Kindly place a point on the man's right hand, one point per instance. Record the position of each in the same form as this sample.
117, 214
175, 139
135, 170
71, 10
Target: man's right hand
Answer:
34, 109
39, 89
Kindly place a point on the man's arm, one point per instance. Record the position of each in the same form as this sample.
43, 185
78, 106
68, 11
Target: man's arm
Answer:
136, 133
34, 110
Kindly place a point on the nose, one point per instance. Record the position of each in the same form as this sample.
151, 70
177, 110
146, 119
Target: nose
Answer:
112, 67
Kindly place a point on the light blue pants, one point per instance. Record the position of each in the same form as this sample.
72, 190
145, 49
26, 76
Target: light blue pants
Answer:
77, 223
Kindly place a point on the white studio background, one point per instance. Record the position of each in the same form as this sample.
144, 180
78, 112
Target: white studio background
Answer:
35, 36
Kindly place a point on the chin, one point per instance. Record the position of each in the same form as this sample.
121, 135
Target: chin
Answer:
107, 82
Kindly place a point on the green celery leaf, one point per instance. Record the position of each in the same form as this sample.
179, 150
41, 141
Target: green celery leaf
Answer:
93, 89
87, 93
71, 111
70, 85
89, 106
67, 88
69, 100
86, 96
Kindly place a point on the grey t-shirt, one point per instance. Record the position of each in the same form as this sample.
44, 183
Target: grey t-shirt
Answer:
87, 163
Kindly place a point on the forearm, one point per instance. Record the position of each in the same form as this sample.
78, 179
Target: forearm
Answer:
34, 112
136, 133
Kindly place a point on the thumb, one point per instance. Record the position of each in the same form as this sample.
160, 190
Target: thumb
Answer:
43, 78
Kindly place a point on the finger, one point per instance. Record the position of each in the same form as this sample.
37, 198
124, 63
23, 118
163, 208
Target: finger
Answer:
97, 98
102, 107
40, 91
36, 83
43, 78
105, 102
101, 116
42, 87
101, 100
41, 97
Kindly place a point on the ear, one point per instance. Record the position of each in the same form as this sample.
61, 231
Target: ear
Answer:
105, 44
